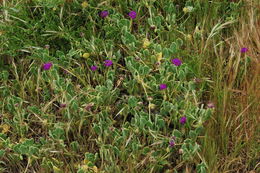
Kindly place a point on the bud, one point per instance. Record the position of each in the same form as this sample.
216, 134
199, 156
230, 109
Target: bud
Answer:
63, 105
82, 34
146, 43
187, 9
159, 56
152, 27
152, 106
140, 103
189, 37
180, 151
89, 106
47, 46
84, 4
149, 98
86, 55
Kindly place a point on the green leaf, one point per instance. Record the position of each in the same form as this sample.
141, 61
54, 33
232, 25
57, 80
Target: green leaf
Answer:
201, 168
179, 42
109, 84
2, 152
177, 133
57, 133
74, 145
173, 47
166, 53
90, 157
97, 129
132, 101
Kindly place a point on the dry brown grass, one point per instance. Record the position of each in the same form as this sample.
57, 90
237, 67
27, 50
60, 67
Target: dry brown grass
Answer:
237, 91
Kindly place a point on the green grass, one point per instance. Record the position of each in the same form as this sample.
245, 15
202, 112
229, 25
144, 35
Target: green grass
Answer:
116, 119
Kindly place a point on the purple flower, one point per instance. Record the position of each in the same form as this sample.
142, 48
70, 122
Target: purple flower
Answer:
210, 105
132, 14
171, 143
243, 50
197, 80
93, 68
63, 105
176, 62
103, 14
108, 63
183, 120
47, 66
163, 86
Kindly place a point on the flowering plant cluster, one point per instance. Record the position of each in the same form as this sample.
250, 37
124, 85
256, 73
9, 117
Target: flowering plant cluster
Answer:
96, 88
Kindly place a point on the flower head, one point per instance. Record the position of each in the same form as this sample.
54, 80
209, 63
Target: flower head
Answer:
47, 46
159, 56
163, 86
243, 50
93, 68
146, 43
176, 62
86, 55
108, 63
197, 80
210, 105
183, 120
132, 14
82, 34
103, 14
47, 66
172, 143
63, 105
84, 4
187, 9
89, 106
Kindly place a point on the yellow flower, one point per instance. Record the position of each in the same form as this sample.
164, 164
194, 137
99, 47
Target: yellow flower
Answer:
21, 140
84, 167
159, 56
56, 169
85, 161
152, 106
146, 43
189, 37
95, 169
84, 4
187, 9
86, 55
5, 128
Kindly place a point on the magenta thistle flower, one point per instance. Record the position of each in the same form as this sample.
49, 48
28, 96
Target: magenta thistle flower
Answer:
132, 14
176, 62
163, 86
103, 14
108, 63
172, 143
243, 50
210, 105
47, 66
183, 120
93, 68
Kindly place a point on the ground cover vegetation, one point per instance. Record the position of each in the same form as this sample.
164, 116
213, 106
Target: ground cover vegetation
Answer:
129, 86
